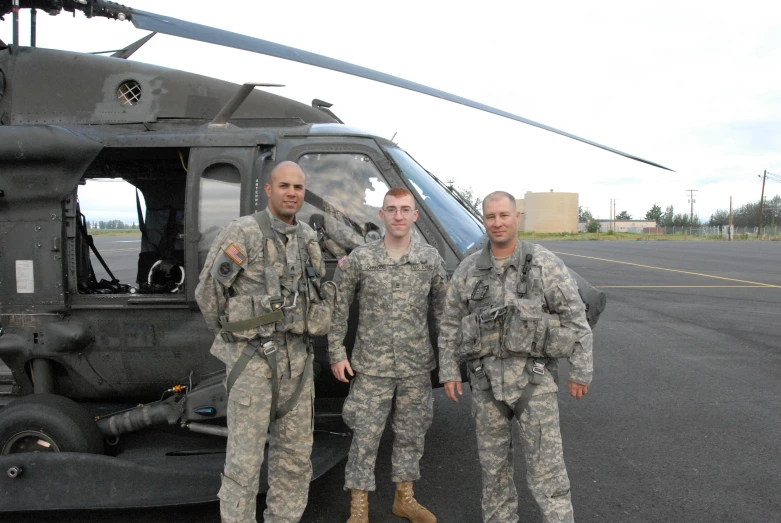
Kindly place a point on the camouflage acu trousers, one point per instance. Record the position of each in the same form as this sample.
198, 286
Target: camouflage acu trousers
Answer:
546, 473
366, 410
289, 448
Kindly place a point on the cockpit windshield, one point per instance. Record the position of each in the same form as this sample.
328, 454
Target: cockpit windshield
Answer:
464, 229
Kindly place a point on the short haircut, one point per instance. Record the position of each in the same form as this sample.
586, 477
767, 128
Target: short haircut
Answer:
496, 195
399, 192
281, 166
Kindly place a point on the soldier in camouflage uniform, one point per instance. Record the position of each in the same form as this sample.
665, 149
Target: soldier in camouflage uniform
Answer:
397, 282
253, 277
510, 311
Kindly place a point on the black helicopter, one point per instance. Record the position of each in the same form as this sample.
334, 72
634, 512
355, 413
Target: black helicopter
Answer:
111, 395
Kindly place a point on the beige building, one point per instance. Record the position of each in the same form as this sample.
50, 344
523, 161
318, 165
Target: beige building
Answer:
520, 205
549, 212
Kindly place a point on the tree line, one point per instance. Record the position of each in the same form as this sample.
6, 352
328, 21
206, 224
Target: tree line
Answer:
744, 216
110, 224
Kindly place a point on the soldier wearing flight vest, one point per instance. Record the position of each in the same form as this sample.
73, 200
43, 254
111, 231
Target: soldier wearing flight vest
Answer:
259, 292
511, 311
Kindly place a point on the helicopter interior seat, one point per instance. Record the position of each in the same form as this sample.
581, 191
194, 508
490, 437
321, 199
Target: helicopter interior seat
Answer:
161, 260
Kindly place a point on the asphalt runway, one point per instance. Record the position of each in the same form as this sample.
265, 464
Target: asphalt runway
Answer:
682, 422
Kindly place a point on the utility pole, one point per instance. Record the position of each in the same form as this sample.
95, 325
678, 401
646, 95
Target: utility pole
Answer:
761, 204
691, 211
729, 233
614, 215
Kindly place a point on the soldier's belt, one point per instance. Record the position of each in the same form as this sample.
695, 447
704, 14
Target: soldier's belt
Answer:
251, 323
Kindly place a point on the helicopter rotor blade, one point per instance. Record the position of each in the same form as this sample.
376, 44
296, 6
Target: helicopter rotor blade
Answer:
175, 27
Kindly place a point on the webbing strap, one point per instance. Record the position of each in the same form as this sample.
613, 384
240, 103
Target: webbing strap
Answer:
293, 401
270, 355
251, 323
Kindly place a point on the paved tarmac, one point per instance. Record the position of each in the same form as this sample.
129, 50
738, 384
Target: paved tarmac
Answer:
681, 423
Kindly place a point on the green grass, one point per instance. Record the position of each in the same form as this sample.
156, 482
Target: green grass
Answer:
115, 232
628, 236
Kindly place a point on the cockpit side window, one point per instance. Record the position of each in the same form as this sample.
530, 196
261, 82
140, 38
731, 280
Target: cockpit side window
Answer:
344, 193
218, 203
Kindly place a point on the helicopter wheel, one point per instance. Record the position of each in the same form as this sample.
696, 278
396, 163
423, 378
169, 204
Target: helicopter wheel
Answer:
47, 423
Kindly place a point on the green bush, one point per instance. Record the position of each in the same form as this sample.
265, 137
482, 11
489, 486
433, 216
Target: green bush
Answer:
593, 226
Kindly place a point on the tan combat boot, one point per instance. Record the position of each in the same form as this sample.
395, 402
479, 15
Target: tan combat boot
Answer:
405, 505
359, 507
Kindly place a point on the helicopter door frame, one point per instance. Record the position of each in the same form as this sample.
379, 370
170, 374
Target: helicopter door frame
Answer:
223, 166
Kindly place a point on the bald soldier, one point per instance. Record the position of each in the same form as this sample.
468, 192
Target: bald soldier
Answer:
511, 311
397, 281
258, 294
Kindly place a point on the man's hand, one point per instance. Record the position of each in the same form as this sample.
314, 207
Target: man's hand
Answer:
451, 387
339, 370
577, 390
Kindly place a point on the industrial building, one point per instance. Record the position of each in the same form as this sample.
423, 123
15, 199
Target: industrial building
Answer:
549, 212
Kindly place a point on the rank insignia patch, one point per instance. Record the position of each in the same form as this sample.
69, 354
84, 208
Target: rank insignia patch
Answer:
235, 254
343, 262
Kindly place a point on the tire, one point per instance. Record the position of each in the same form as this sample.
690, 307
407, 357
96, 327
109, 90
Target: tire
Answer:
63, 425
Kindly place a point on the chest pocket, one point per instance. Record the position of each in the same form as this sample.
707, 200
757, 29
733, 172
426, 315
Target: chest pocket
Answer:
524, 325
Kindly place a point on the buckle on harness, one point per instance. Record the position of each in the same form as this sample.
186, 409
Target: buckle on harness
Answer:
479, 371
539, 368
295, 299
269, 348
489, 315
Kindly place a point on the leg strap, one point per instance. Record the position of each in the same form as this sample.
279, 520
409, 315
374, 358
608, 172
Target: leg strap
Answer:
268, 351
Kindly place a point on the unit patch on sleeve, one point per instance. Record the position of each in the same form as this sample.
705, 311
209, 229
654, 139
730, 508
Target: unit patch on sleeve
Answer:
343, 262
235, 254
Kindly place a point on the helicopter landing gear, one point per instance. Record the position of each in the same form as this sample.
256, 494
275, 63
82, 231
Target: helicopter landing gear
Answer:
47, 423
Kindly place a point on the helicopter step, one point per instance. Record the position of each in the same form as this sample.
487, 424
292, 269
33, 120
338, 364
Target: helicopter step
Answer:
7, 382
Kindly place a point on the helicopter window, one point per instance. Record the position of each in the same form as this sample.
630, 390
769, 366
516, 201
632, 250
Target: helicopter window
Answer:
107, 212
344, 193
464, 229
218, 203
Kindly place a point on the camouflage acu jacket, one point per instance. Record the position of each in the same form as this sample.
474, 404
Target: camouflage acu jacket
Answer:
233, 282
394, 300
556, 322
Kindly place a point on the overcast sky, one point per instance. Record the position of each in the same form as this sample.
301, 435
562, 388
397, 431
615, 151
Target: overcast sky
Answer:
691, 85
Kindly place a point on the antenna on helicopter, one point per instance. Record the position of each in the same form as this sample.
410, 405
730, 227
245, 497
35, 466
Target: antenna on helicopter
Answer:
221, 120
132, 48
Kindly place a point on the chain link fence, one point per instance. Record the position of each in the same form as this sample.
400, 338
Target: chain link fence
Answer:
710, 231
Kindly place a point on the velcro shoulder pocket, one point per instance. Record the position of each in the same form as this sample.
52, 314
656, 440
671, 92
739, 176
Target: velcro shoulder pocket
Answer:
224, 269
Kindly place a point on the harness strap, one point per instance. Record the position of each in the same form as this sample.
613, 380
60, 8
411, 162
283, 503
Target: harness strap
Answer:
535, 367
269, 353
251, 323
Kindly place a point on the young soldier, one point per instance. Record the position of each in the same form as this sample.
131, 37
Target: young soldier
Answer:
511, 309
398, 281
254, 274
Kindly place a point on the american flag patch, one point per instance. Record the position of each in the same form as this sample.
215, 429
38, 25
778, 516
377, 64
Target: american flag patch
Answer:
235, 254
342, 262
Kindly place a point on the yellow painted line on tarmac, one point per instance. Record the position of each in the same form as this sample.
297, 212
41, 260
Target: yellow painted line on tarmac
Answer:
753, 283
686, 286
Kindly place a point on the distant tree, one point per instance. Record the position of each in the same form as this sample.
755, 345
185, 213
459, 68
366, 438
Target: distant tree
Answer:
468, 194
667, 218
584, 216
623, 215
593, 225
654, 214
720, 217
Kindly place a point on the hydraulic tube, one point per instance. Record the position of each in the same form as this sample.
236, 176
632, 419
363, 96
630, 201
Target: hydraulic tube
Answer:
158, 413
